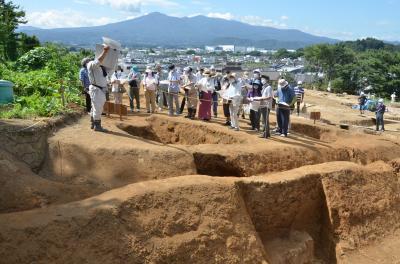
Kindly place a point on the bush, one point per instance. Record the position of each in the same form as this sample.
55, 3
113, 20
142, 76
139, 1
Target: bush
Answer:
33, 59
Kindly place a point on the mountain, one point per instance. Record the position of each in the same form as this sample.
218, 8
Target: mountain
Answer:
156, 29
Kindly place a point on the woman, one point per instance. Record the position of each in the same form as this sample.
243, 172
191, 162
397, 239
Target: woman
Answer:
150, 83
117, 85
206, 88
189, 81
226, 102
233, 94
134, 81
265, 105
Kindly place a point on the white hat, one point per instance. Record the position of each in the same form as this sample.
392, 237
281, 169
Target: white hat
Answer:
362, 93
299, 83
380, 100
212, 68
282, 82
257, 70
148, 70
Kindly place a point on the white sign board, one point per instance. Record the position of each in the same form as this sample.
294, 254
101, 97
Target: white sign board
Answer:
111, 59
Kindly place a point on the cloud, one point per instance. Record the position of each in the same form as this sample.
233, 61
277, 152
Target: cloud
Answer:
226, 16
65, 18
135, 6
252, 20
284, 17
260, 21
383, 23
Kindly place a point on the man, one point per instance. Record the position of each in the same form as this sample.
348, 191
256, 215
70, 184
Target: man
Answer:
265, 105
84, 78
380, 111
285, 96
255, 91
361, 101
189, 81
134, 80
299, 92
97, 89
217, 87
173, 91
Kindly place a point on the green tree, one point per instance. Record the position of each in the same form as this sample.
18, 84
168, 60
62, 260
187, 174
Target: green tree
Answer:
27, 43
10, 17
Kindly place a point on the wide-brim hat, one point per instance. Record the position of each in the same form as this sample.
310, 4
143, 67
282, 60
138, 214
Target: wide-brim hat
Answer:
257, 71
282, 82
232, 75
207, 72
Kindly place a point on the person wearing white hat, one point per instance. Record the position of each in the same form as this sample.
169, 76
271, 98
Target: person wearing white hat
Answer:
117, 85
361, 102
206, 87
150, 83
393, 97
380, 111
234, 94
97, 89
299, 92
286, 97
189, 81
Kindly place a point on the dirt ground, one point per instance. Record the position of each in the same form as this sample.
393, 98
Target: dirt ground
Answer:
159, 189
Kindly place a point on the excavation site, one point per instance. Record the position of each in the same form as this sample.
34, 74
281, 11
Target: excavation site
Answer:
159, 189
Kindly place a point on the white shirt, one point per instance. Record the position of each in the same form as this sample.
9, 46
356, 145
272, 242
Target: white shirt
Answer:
206, 85
150, 83
96, 74
115, 85
266, 92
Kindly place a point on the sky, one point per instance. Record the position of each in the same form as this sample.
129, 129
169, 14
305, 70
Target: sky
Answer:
339, 19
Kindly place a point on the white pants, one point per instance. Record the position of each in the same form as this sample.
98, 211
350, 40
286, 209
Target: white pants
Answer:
98, 99
234, 110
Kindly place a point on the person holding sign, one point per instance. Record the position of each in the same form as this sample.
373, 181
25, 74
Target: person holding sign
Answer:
97, 88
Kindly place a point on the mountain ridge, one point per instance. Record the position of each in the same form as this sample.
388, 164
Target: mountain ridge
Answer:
157, 29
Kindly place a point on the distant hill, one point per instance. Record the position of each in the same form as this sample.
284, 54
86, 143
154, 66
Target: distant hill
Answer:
157, 29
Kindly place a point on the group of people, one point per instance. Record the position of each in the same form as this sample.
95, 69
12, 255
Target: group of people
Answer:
202, 92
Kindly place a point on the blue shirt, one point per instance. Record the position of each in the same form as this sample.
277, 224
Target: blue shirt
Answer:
84, 77
286, 95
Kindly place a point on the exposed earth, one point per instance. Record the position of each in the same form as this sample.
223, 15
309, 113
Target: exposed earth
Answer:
159, 189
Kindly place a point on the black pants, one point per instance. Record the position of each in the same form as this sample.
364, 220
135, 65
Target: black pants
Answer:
88, 102
227, 113
282, 118
298, 107
379, 121
134, 94
265, 120
255, 119
184, 101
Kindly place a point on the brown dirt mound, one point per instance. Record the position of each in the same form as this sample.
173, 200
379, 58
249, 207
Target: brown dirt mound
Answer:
21, 189
167, 131
212, 220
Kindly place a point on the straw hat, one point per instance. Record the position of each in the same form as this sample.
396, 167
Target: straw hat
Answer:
207, 72
282, 82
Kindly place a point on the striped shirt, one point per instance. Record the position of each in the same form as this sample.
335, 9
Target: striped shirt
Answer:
299, 92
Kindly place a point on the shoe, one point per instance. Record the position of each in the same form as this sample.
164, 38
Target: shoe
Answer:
132, 110
91, 122
237, 129
148, 111
138, 110
227, 123
215, 116
231, 127
283, 135
98, 127
160, 109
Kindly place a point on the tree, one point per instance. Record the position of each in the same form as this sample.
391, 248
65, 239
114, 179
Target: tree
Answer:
10, 17
27, 43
